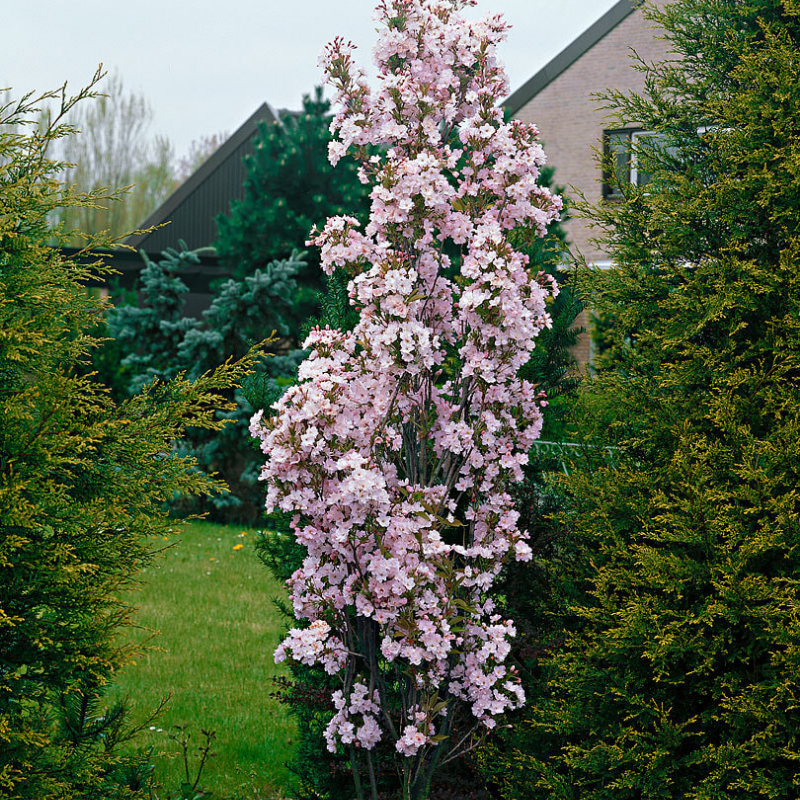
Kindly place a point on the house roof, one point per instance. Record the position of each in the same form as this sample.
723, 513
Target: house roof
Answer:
193, 207
567, 57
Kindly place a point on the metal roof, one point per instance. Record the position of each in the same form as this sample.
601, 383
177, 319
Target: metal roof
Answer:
193, 207
567, 57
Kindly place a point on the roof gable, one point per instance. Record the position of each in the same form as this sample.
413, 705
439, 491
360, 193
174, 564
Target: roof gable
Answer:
193, 207
567, 57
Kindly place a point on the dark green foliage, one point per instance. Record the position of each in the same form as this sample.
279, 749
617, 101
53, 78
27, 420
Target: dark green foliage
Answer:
150, 327
552, 367
528, 592
159, 341
83, 486
245, 311
335, 308
679, 672
290, 187
155, 340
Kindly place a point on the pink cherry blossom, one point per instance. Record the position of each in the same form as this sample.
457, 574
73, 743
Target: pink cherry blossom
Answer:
395, 447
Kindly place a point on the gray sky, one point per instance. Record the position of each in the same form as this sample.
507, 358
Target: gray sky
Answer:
206, 66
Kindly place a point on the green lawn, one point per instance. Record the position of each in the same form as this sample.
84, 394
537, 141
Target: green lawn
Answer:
209, 600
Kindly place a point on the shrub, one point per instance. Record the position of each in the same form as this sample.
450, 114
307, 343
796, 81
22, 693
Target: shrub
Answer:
83, 486
680, 669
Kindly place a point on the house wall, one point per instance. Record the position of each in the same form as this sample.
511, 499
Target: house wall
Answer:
571, 123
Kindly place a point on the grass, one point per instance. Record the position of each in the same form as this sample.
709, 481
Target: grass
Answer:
209, 600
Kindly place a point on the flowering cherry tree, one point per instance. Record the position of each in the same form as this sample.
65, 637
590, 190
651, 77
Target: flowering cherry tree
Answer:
395, 447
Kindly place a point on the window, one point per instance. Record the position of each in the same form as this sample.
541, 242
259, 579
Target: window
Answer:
616, 163
639, 176
620, 166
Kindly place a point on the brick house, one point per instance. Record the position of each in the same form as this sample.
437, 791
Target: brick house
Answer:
560, 100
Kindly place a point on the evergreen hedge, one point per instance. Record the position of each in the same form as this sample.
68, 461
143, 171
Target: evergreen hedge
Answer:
679, 672
84, 483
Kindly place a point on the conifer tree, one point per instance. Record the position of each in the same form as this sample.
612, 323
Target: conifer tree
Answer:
83, 485
290, 187
155, 340
149, 333
680, 669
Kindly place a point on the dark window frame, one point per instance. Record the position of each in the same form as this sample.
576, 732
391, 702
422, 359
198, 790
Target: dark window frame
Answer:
613, 186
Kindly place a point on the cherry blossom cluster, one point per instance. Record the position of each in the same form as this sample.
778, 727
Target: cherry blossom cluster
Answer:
314, 645
395, 448
355, 720
413, 738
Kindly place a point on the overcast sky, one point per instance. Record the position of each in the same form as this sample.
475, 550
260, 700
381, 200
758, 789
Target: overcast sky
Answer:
206, 66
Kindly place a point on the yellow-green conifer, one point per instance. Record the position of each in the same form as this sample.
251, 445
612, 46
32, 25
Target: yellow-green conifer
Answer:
679, 673
83, 485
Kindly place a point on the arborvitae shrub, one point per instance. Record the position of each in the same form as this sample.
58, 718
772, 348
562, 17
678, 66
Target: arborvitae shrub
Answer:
680, 669
83, 486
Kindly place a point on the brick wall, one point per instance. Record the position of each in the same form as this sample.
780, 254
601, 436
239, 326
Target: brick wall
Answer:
571, 122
